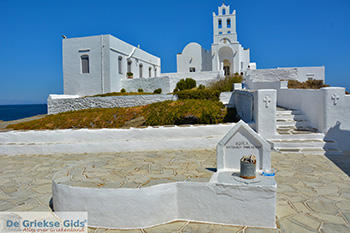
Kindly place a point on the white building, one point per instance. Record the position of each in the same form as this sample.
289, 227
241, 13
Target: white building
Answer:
98, 64
226, 53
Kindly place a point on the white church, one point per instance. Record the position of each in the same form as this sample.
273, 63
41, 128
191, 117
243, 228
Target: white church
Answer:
102, 64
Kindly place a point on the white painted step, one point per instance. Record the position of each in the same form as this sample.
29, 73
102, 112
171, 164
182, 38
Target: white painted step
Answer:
288, 112
313, 151
308, 136
286, 123
301, 124
291, 118
307, 151
299, 144
295, 136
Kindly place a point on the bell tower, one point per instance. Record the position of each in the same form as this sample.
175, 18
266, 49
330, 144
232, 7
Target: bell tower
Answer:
224, 24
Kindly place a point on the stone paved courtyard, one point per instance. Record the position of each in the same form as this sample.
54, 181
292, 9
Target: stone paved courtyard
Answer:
313, 193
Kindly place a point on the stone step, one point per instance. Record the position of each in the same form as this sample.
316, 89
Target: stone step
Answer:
286, 123
291, 118
314, 151
288, 112
306, 136
298, 144
295, 124
304, 131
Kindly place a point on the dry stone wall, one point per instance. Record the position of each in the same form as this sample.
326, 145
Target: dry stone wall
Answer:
57, 105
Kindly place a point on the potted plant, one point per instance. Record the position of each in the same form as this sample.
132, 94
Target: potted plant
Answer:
248, 167
130, 75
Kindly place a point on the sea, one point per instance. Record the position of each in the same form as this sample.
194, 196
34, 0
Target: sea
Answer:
15, 112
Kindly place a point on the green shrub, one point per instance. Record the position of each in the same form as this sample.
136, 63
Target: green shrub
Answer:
122, 90
309, 84
158, 91
226, 84
201, 86
140, 90
184, 112
190, 111
185, 84
204, 94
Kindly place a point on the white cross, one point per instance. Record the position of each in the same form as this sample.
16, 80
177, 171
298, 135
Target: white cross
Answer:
335, 98
267, 101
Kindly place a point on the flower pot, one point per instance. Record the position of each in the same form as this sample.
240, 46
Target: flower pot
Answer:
248, 170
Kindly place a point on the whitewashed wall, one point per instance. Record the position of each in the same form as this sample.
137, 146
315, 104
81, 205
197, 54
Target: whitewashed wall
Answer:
104, 76
74, 81
256, 85
327, 109
257, 107
209, 202
291, 73
57, 104
147, 84
193, 55
204, 78
167, 81
309, 101
244, 104
111, 140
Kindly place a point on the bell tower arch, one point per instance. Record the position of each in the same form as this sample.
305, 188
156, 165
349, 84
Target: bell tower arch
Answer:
224, 24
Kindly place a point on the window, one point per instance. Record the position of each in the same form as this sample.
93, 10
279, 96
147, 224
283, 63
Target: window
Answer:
129, 66
85, 64
150, 72
310, 76
229, 23
155, 72
192, 69
120, 60
140, 70
224, 11
228, 32
220, 23
220, 33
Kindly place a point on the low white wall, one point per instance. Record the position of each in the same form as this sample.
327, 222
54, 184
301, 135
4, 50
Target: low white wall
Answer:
204, 78
111, 140
225, 98
167, 81
271, 74
122, 208
147, 84
301, 74
256, 85
126, 208
257, 107
57, 104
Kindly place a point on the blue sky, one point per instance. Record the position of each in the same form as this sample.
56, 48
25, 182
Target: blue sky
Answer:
279, 33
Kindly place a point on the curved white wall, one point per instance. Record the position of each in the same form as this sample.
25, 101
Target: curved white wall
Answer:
125, 208
193, 55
